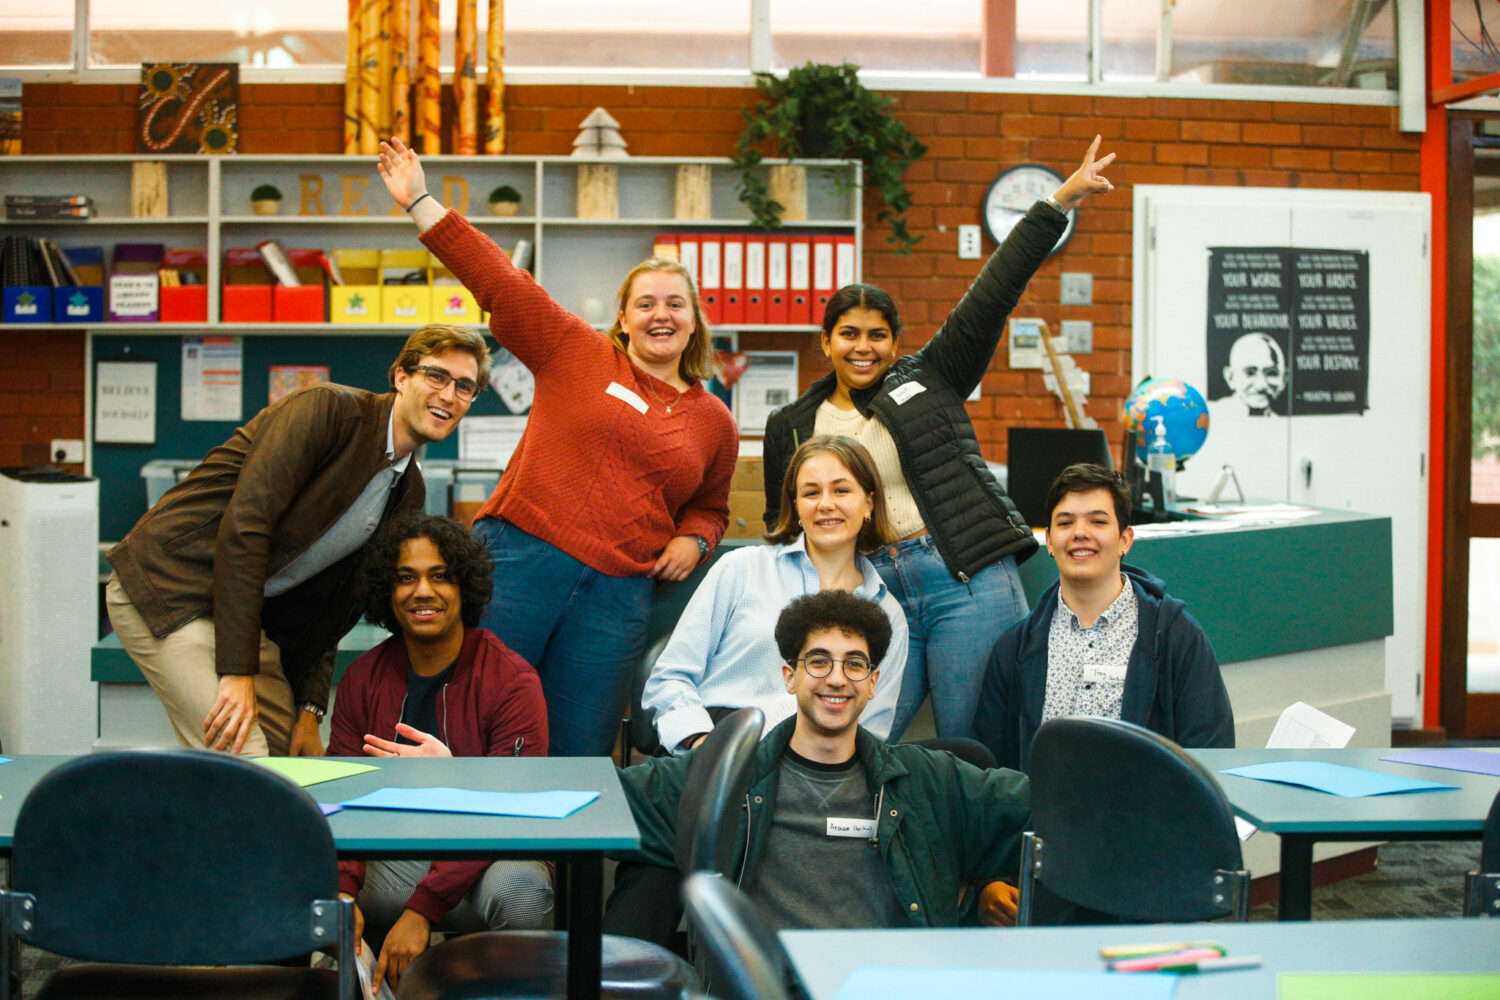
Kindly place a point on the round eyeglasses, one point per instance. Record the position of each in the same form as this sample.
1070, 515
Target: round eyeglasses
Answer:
856, 668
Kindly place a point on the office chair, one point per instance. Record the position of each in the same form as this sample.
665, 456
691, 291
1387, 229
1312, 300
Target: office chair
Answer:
1126, 825
638, 729
142, 861
532, 963
1482, 888
745, 960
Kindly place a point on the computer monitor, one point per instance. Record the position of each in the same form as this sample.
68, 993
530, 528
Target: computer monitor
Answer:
1038, 454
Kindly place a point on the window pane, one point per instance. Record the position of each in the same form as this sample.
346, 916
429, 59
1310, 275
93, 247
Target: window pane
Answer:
36, 34
1484, 485
1484, 614
593, 34
1475, 28
1048, 39
1317, 43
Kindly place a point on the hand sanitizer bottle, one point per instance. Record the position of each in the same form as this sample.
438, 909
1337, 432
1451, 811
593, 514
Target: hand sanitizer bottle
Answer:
1161, 461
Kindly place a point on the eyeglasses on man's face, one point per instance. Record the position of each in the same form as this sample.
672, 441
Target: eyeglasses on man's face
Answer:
438, 378
856, 668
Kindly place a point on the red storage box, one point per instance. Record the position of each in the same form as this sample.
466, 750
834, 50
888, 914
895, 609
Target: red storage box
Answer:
247, 287
186, 302
302, 303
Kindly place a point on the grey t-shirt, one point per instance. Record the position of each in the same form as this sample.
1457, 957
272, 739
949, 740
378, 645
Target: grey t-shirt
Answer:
811, 878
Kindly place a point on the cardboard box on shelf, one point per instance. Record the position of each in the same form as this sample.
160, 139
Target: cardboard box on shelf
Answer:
406, 287
451, 301
187, 300
247, 287
357, 300
135, 283
301, 303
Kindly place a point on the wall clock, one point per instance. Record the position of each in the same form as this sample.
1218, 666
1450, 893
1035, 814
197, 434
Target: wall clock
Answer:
1012, 195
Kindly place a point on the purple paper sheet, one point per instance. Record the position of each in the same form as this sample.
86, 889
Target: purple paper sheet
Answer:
1473, 761
329, 808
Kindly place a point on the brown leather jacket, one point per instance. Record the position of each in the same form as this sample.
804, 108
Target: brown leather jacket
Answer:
251, 507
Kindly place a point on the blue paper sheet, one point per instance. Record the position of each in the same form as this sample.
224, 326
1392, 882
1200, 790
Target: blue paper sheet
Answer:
1473, 761
1336, 779
537, 805
4, 760
329, 808
876, 982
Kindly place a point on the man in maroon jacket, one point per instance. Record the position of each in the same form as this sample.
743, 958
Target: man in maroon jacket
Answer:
438, 687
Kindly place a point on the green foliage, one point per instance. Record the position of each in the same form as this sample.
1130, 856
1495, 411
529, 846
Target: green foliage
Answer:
504, 193
1486, 391
821, 111
266, 192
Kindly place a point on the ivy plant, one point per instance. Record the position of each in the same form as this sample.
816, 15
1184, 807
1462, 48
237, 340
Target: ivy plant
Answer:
820, 111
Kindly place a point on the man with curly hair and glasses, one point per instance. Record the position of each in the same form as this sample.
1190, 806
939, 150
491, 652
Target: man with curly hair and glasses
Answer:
440, 686
231, 594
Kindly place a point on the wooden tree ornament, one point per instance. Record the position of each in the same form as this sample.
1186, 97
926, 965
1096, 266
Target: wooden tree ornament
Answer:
429, 115
401, 70
369, 77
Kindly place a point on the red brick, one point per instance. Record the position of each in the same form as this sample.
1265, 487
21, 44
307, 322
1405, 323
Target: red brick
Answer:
1145, 173
1085, 129
1347, 136
1029, 125
1061, 104
1210, 131
313, 117
1152, 130
1292, 111
1270, 133
1368, 161
1239, 156
1124, 107
930, 100
1187, 153
549, 96
1301, 159
997, 103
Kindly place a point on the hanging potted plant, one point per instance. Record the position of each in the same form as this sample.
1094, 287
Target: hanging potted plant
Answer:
823, 112
266, 200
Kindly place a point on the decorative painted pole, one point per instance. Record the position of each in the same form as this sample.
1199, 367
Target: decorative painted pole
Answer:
494, 75
383, 70
429, 111
465, 87
351, 82
369, 77
401, 70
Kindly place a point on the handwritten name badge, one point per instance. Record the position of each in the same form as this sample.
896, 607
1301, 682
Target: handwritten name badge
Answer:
621, 393
1099, 673
853, 827
904, 392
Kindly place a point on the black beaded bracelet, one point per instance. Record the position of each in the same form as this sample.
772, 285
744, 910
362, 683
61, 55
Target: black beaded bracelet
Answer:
417, 199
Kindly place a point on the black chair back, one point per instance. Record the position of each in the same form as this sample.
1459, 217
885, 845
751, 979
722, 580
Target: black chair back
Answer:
744, 958
1482, 888
174, 857
1126, 824
640, 728
718, 776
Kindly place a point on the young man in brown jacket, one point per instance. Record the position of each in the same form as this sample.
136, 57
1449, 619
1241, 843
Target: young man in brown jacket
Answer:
231, 594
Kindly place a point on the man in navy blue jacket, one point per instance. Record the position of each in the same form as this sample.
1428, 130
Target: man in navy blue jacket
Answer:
1106, 639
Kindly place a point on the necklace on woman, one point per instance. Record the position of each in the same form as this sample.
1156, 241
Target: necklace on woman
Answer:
664, 404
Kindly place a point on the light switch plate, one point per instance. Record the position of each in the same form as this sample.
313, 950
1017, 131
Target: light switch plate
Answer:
67, 450
1079, 334
1077, 288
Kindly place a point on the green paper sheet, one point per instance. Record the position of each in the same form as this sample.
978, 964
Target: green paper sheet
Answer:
1387, 986
312, 770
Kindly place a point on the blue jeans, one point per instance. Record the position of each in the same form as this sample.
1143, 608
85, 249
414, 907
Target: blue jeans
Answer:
953, 628
583, 631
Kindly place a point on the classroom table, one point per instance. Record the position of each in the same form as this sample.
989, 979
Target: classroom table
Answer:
822, 960
1303, 816
576, 843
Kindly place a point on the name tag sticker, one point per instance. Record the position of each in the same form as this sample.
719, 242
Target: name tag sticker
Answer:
840, 827
1100, 673
904, 392
620, 392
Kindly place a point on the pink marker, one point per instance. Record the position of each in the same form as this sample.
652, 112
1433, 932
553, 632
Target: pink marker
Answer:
1155, 963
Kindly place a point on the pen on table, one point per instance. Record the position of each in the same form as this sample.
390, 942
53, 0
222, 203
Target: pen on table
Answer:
1215, 964
1158, 963
1157, 948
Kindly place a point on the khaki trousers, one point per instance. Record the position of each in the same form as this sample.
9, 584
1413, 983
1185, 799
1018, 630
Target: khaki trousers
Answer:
180, 668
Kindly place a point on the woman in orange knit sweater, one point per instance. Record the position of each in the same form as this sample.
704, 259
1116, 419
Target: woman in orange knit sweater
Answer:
620, 480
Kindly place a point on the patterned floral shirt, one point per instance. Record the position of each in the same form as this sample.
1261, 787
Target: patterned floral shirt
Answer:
1086, 666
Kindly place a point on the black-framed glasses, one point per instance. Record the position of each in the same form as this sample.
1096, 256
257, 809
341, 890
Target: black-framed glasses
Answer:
437, 378
856, 668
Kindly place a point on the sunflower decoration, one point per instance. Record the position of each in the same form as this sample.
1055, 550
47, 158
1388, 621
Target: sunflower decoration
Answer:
220, 128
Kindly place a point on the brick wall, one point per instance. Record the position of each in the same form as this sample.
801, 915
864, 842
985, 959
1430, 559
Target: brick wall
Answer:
972, 137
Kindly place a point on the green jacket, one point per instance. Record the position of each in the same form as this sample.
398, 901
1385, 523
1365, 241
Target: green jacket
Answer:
944, 824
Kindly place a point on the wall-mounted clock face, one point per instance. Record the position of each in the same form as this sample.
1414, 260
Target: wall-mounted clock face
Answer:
1012, 195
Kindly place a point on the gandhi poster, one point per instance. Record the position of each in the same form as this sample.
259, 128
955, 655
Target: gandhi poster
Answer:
1288, 332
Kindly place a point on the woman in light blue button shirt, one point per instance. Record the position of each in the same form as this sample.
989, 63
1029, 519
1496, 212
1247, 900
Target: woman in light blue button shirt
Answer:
722, 654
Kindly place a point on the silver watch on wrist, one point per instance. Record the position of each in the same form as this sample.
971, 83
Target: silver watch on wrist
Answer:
316, 711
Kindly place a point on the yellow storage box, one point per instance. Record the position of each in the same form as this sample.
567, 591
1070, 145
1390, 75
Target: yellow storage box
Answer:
357, 300
451, 301
406, 287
